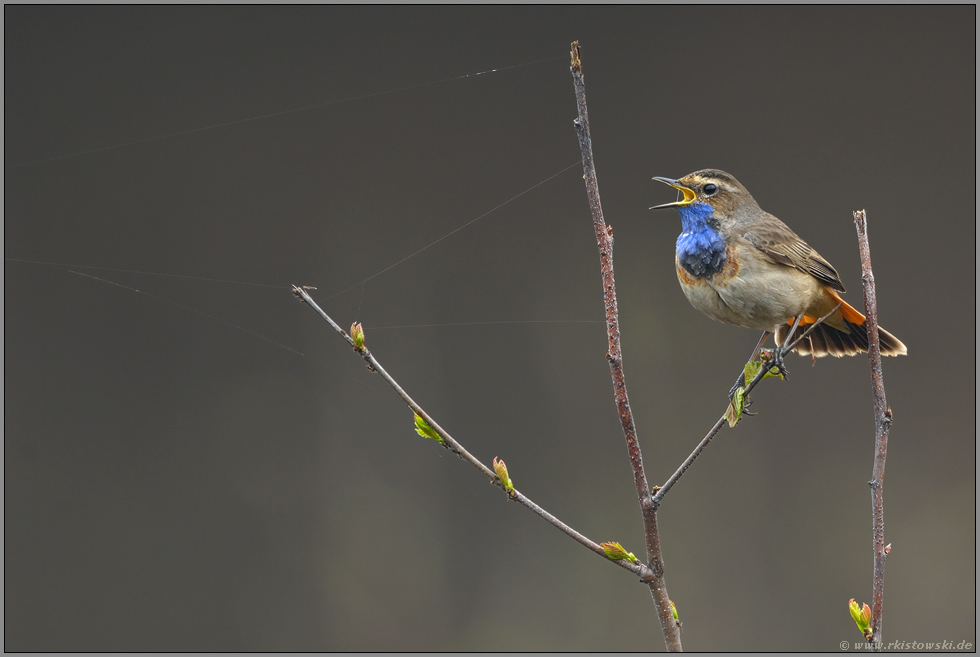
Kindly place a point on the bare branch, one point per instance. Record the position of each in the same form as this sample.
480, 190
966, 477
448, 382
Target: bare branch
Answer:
452, 445
883, 422
604, 241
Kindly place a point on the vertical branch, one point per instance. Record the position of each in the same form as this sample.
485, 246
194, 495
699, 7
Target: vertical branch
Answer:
605, 243
883, 421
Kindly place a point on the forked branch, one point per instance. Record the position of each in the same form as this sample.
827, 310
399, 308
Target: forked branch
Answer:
650, 499
604, 240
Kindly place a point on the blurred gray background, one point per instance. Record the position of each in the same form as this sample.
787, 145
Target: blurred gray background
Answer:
175, 483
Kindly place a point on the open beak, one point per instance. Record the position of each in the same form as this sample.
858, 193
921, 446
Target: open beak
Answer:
689, 194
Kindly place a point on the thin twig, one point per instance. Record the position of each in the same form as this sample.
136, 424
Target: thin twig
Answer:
883, 422
604, 241
813, 326
659, 495
452, 445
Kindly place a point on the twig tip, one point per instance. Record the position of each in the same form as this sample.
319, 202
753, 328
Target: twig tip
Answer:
576, 60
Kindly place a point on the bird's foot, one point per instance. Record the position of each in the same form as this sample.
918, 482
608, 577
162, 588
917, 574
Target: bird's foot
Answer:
773, 359
739, 383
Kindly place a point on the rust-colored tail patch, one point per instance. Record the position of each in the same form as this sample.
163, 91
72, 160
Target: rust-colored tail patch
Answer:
825, 340
845, 333
847, 311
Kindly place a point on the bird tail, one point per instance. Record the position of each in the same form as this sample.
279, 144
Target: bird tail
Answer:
845, 333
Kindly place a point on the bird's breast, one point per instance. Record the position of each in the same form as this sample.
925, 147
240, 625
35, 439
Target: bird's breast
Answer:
749, 290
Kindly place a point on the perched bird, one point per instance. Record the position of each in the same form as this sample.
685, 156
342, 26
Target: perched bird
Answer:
740, 265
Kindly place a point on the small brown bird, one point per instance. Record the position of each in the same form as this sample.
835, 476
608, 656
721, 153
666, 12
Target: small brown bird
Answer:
740, 265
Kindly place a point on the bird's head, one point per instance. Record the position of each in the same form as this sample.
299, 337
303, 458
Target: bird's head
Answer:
709, 187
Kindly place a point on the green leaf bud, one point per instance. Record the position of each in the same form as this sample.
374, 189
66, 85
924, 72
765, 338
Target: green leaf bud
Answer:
501, 469
616, 551
423, 429
357, 335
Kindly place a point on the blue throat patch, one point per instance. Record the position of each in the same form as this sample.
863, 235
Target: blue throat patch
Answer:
700, 248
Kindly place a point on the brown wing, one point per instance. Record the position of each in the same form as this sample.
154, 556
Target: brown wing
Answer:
775, 239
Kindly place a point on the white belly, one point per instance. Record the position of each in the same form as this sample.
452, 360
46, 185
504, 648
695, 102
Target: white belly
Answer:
756, 294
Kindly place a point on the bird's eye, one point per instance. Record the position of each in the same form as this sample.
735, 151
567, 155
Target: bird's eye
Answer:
710, 189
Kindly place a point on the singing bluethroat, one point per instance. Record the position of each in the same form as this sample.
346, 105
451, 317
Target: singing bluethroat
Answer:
740, 265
